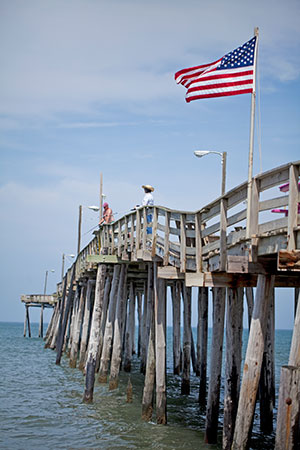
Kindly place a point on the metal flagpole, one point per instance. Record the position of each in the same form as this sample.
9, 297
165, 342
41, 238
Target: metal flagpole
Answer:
251, 143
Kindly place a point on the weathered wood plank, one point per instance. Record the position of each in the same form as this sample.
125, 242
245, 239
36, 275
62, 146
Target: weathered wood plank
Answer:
289, 260
213, 400
94, 334
253, 362
288, 427
160, 347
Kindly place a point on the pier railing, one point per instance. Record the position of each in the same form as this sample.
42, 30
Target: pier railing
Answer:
206, 240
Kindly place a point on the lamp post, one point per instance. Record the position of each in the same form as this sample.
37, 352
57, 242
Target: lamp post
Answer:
94, 208
63, 264
46, 278
200, 153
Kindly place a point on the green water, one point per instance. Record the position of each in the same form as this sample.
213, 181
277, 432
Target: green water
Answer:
41, 403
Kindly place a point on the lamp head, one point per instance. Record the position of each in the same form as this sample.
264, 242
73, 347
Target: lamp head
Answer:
200, 153
94, 208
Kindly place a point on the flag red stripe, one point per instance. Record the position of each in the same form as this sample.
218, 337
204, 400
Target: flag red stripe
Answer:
219, 85
216, 77
219, 94
181, 72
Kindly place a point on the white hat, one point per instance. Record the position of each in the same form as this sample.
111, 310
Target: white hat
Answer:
147, 186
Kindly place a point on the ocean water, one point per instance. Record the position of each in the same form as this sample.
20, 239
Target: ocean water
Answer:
41, 404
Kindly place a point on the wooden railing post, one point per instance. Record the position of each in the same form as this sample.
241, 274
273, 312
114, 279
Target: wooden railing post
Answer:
293, 206
182, 243
144, 235
126, 234
223, 237
131, 232
252, 215
198, 237
166, 239
154, 232
119, 240
138, 230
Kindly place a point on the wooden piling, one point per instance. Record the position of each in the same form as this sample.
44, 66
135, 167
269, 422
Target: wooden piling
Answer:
129, 329
139, 314
94, 334
202, 333
41, 325
77, 328
85, 324
144, 342
74, 318
288, 415
60, 338
118, 331
253, 361
103, 319
49, 331
250, 303
27, 321
288, 418
160, 347
56, 326
267, 376
186, 350
108, 333
148, 392
213, 400
176, 299
234, 335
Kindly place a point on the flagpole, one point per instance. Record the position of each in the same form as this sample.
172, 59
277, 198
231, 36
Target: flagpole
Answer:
251, 141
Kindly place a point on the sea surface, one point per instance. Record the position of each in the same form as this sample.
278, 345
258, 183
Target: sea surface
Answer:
41, 404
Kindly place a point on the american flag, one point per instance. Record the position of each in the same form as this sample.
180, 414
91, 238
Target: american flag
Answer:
231, 75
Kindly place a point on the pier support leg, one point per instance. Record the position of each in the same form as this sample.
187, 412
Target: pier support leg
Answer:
139, 314
85, 325
253, 362
288, 418
25, 322
148, 393
160, 347
28, 321
176, 299
212, 413
202, 331
41, 326
118, 331
94, 335
61, 336
267, 376
77, 328
144, 342
250, 303
186, 363
129, 329
109, 326
103, 319
234, 335
50, 326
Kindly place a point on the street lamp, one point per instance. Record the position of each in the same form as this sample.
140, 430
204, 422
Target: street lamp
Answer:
63, 264
46, 278
93, 208
200, 153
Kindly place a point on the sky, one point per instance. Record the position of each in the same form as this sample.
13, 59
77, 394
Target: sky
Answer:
87, 87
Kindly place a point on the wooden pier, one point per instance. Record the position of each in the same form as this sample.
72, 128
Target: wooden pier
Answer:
37, 301
125, 269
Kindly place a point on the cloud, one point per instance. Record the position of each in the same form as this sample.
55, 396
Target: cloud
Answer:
58, 58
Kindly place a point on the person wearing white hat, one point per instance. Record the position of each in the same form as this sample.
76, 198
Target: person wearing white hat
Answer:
148, 199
